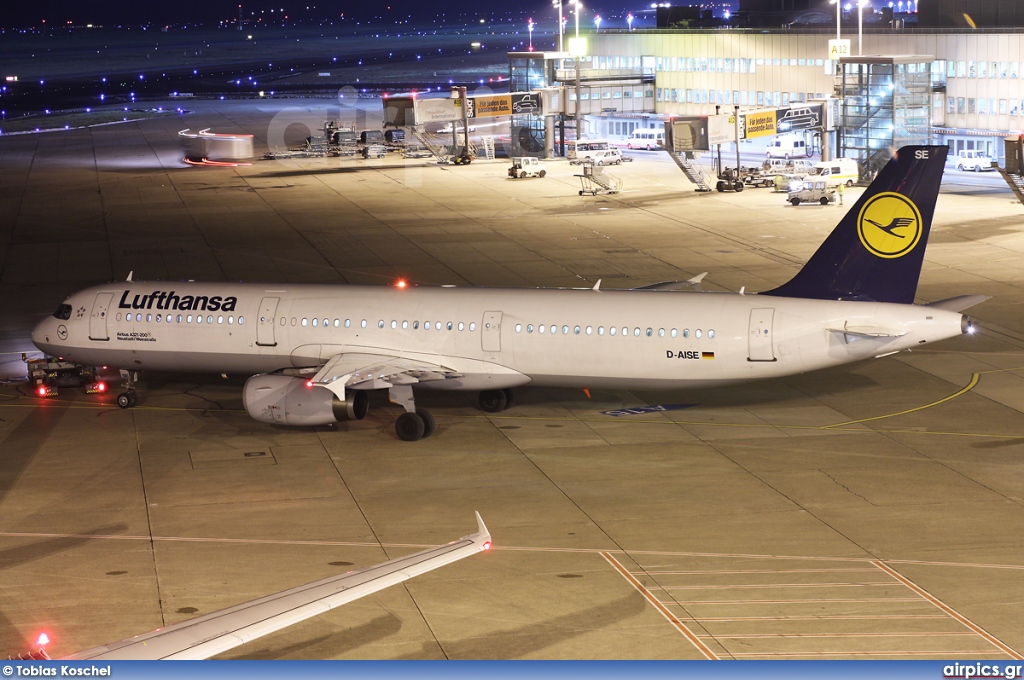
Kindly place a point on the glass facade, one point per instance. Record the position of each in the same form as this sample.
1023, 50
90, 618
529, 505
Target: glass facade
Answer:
886, 105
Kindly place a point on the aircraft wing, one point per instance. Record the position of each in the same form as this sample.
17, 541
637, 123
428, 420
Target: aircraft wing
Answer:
694, 283
375, 371
205, 636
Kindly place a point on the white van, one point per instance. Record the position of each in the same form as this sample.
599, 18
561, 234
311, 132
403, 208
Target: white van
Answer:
577, 150
787, 147
969, 159
646, 138
835, 172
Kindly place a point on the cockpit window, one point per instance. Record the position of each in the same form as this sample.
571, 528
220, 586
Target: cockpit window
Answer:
63, 312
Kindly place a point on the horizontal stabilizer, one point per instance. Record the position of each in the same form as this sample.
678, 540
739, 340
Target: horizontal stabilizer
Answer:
959, 303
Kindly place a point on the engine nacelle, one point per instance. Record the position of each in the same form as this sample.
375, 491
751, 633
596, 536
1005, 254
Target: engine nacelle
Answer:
286, 400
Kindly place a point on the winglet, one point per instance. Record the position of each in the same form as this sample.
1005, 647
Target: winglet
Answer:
597, 286
130, 275
481, 530
695, 281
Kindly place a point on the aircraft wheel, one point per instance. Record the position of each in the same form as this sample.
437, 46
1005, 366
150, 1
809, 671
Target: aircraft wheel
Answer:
510, 397
493, 401
429, 424
410, 427
124, 400
795, 200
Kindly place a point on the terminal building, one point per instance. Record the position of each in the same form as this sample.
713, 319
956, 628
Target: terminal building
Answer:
960, 86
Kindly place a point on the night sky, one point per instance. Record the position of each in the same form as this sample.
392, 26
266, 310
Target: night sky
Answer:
134, 12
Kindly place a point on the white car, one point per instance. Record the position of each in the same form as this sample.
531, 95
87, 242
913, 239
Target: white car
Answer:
973, 160
606, 157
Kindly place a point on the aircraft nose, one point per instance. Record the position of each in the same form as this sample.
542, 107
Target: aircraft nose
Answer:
41, 333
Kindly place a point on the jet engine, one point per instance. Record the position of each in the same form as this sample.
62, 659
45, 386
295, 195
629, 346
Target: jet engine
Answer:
287, 400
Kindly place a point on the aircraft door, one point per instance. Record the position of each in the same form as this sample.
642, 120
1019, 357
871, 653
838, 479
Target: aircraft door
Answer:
265, 324
98, 319
761, 343
490, 332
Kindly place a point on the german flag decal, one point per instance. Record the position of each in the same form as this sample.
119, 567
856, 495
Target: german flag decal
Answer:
707, 355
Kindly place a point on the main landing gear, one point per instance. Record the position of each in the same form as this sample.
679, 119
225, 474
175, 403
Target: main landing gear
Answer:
414, 424
495, 401
417, 423
128, 398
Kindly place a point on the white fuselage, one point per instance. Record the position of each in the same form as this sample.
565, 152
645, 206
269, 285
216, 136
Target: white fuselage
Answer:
491, 338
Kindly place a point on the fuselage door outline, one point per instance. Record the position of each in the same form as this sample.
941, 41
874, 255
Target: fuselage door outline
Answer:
265, 324
98, 319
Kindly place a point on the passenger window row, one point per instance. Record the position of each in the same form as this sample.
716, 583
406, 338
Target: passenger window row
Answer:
182, 318
393, 324
614, 330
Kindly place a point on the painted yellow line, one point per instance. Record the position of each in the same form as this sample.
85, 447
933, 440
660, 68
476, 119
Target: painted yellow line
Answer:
991, 639
669, 616
975, 377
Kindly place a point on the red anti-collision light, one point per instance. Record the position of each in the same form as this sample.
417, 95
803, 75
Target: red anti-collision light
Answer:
487, 545
42, 391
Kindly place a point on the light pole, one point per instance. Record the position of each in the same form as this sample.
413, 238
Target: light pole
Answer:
629, 20
860, 26
529, 27
579, 6
558, 4
597, 22
578, 50
839, 14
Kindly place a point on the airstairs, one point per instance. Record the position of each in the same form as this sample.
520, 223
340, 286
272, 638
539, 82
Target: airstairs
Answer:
595, 180
691, 168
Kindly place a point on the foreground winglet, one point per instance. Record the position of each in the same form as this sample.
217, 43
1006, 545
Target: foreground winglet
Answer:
875, 252
205, 636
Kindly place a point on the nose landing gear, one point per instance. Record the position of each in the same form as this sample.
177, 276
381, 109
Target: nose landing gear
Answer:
128, 398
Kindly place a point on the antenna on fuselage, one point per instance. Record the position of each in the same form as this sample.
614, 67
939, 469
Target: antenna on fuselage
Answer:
130, 275
597, 286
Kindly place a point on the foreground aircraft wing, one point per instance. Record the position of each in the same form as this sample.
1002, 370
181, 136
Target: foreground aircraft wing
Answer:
372, 371
205, 636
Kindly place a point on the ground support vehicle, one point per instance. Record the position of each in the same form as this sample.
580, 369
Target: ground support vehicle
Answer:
49, 374
526, 166
816, 191
595, 180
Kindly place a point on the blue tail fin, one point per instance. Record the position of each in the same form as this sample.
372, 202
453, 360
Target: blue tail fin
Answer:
876, 251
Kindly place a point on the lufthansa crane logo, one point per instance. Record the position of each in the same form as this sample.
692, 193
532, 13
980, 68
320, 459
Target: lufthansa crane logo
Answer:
889, 225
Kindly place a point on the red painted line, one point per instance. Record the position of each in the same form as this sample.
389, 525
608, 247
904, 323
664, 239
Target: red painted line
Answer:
808, 601
660, 606
991, 639
781, 585
943, 654
837, 635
